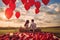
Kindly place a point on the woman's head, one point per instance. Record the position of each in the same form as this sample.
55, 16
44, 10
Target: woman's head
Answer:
27, 22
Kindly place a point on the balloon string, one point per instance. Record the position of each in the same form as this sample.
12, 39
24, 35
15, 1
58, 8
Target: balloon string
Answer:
35, 16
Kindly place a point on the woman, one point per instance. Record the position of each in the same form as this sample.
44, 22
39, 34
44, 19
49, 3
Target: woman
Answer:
26, 24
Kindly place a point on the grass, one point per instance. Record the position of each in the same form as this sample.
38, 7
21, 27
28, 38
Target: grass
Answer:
8, 30
55, 30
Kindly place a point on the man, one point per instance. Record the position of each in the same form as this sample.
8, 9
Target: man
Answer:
33, 25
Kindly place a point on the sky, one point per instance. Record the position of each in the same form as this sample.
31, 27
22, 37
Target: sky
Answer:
48, 16
54, 1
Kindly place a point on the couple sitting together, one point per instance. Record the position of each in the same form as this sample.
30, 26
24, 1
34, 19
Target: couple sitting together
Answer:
32, 26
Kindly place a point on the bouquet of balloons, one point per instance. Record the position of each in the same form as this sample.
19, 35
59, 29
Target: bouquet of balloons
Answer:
27, 5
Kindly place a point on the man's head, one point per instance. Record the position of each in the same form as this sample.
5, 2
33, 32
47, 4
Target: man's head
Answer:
32, 20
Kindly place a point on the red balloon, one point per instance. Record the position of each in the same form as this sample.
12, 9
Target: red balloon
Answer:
17, 14
27, 6
13, 1
45, 2
37, 4
6, 2
24, 1
12, 5
32, 2
8, 13
37, 11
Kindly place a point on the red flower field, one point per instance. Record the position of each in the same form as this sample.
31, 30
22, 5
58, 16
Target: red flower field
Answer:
28, 36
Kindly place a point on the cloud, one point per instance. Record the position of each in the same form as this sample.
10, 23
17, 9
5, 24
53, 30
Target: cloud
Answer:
55, 7
47, 16
51, 9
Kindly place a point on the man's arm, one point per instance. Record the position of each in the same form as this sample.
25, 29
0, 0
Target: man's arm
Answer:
31, 26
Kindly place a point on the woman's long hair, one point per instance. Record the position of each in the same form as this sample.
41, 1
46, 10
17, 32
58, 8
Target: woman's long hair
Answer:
27, 21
